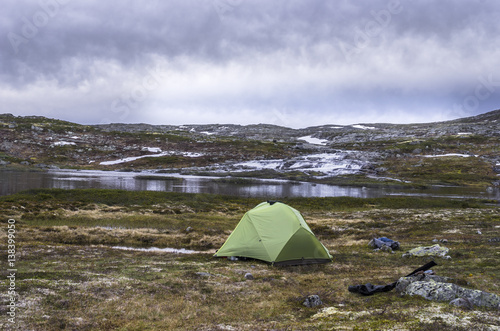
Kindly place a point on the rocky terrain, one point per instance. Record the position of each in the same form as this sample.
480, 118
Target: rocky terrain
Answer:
460, 152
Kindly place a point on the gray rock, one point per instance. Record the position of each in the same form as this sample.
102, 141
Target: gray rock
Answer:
432, 290
438, 289
403, 282
434, 250
203, 274
312, 301
479, 298
385, 248
462, 302
248, 276
36, 128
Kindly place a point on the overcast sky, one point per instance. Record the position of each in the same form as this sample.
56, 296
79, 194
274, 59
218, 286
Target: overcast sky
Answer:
293, 63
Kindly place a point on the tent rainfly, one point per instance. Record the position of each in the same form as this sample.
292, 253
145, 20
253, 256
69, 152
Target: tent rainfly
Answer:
276, 233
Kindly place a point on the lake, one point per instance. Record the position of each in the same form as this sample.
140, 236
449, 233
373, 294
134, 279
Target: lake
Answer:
15, 181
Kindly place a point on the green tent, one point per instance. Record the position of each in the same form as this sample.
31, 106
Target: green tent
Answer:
277, 233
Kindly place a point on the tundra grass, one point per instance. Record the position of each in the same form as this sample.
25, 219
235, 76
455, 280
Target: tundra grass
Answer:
71, 278
450, 170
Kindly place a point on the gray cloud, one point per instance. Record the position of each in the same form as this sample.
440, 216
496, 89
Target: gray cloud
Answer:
187, 61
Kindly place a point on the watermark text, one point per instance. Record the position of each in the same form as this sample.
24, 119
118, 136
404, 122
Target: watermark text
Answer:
11, 271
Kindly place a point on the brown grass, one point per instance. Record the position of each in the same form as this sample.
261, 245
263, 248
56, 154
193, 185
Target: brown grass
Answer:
69, 277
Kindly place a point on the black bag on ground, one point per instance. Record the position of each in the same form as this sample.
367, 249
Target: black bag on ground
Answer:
370, 289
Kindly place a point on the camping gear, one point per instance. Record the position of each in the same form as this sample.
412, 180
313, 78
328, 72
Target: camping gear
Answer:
384, 241
370, 289
276, 233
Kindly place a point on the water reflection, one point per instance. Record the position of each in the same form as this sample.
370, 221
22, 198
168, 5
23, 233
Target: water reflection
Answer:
12, 182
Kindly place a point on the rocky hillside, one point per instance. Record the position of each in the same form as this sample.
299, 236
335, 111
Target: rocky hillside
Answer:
458, 152
486, 125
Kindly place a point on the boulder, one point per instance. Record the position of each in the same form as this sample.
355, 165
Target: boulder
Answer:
462, 303
432, 290
312, 301
434, 250
438, 289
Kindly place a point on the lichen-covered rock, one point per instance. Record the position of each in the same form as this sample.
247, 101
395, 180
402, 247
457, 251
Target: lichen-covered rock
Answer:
434, 250
479, 298
433, 290
462, 302
438, 289
403, 282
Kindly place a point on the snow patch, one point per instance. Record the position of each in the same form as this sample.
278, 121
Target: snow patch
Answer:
451, 154
330, 164
314, 141
63, 143
363, 127
151, 149
133, 158
190, 154
208, 133
156, 249
260, 165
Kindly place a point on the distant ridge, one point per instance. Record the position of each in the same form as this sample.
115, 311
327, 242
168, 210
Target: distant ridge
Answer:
489, 116
493, 115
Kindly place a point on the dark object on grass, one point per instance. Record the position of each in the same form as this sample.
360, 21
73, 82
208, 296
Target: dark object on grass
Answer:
370, 289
